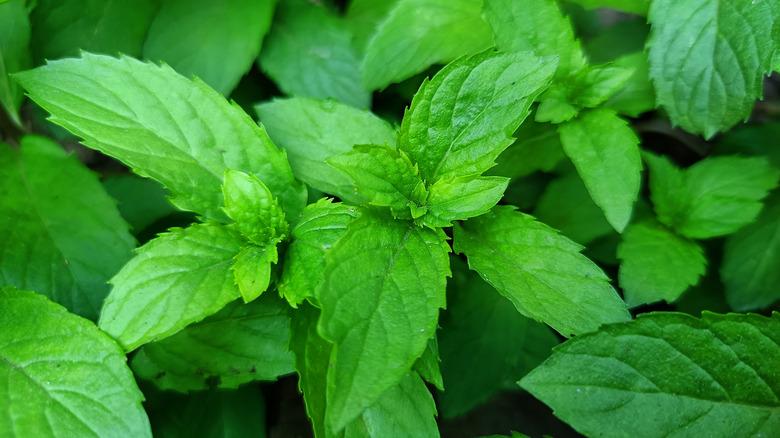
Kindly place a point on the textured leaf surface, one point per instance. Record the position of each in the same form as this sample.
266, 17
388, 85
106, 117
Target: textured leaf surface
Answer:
60, 233
14, 54
657, 265
164, 126
462, 198
464, 117
252, 270
61, 375
714, 197
667, 374
751, 260
537, 148
384, 284
418, 33
427, 366
257, 214
239, 344
541, 272
174, 280
708, 59
215, 41
312, 131
141, 201
605, 151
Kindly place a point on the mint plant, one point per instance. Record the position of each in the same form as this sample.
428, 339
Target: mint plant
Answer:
445, 213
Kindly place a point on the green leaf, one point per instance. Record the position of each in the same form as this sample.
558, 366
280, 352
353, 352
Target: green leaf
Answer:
595, 85
257, 214
756, 139
363, 17
164, 126
400, 273
637, 95
320, 226
14, 54
60, 233
631, 6
239, 344
537, 148
714, 197
252, 270
485, 344
538, 26
541, 272
312, 131
63, 27
309, 53
216, 42
566, 206
708, 59
55, 367
656, 264
462, 198
464, 117
605, 151
667, 374
141, 201
383, 176
427, 366
312, 356
750, 261
418, 33
177, 279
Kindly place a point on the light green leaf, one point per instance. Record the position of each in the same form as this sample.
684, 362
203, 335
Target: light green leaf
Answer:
164, 126
714, 197
605, 151
384, 284
537, 148
595, 85
309, 53
485, 344
464, 117
427, 366
751, 259
363, 17
708, 59
257, 214
656, 264
320, 226
667, 374
63, 27
312, 131
462, 197
14, 54
631, 6
215, 41
383, 176
177, 279
637, 95
537, 26
418, 33
541, 272
252, 270
60, 233
239, 344
141, 201
55, 367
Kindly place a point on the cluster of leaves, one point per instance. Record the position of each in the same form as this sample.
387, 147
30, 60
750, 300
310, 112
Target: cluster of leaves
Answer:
481, 157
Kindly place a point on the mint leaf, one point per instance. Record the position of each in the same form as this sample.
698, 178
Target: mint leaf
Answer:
541, 272
714, 197
14, 54
462, 198
309, 53
164, 126
595, 85
60, 233
427, 366
485, 343
750, 261
55, 367
637, 95
63, 27
537, 148
631, 6
257, 214
667, 374
537, 26
463, 118
605, 151
216, 42
239, 344
312, 356
385, 177
320, 226
312, 131
252, 270
418, 33
656, 264
140, 201
384, 284
362, 17
177, 279
708, 60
